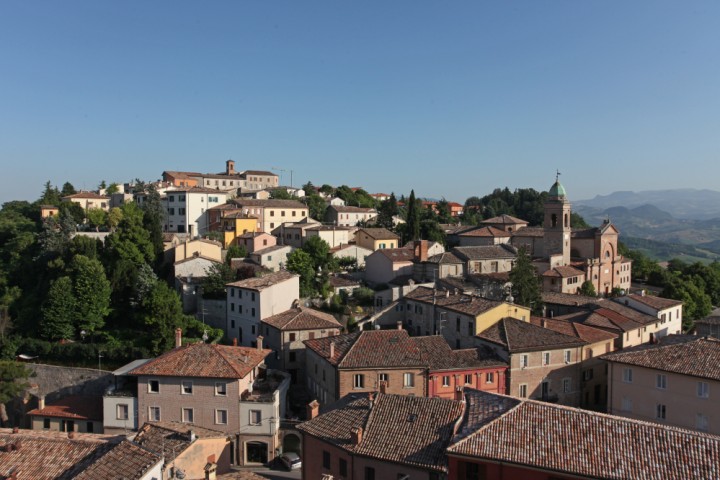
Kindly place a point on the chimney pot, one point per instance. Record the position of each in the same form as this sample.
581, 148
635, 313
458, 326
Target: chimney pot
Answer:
15, 430
41, 402
178, 337
399, 325
459, 394
357, 434
235, 342
71, 434
332, 350
313, 408
383, 387
544, 323
260, 342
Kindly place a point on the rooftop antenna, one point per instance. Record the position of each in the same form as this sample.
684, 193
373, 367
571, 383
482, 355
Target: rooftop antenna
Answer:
557, 175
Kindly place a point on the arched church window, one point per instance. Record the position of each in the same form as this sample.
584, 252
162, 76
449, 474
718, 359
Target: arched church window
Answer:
567, 220
553, 220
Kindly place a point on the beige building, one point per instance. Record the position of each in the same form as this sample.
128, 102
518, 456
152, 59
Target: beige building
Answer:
272, 258
352, 251
74, 413
199, 247
376, 238
385, 265
89, 200
562, 280
285, 333
486, 259
271, 214
675, 382
256, 241
483, 236
253, 299
349, 216
332, 235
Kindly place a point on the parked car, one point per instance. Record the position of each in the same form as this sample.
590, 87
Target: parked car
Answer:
291, 460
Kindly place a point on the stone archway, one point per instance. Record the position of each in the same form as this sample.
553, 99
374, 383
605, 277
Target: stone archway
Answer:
291, 443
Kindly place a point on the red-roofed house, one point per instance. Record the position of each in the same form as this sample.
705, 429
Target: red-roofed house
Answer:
74, 413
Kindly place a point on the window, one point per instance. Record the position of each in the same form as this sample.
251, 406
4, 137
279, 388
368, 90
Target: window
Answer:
660, 411
46, 423
408, 380
661, 381
311, 335
220, 389
272, 213
468, 379
566, 356
588, 374
153, 386
369, 473
627, 375
326, 460
703, 389
292, 337
252, 311
457, 324
490, 377
255, 417
701, 422
121, 411
252, 296
523, 361
566, 385
154, 414
181, 211
187, 415
221, 417
471, 332
232, 307
89, 427
446, 380
187, 387
522, 393
343, 467
359, 381
384, 377
546, 358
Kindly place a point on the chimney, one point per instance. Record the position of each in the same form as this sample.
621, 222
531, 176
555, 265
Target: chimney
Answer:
371, 397
230, 167
399, 325
41, 402
178, 337
543, 323
357, 434
260, 342
459, 394
192, 436
383, 387
15, 430
235, 342
332, 350
642, 292
420, 248
71, 434
447, 293
313, 408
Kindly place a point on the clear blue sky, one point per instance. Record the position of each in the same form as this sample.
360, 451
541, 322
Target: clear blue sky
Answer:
449, 98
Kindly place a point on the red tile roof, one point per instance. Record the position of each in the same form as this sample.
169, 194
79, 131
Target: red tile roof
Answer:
204, 360
658, 303
467, 304
45, 455
92, 195
76, 407
485, 232
266, 281
302, 318
565, 440
439, 356
518, 336
699, 357
378, 233
170, 439
127, 460
574, 329
563, 272
396, 254
505, 220
485, 252
412, 431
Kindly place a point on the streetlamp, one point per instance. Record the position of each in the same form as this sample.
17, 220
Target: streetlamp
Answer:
100, 356
82, 334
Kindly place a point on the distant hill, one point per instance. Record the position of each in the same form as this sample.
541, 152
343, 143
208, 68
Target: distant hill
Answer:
686, 203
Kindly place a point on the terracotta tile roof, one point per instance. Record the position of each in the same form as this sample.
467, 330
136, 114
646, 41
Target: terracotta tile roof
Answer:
45, 455
347, 209
485, 232
485, 252
204, 360
261, 283
78, 407
563, 272
253, 235
170, 439
342, 281
234, 214
329, 228
658, 303
529, 232
270, 203
467, 304
411, 431
396, 254
712, 320
607, 319
302, 318
127, 461
438, 355
629, 312
495, 276
91, 195
565, 440
584, 233
369, 349
259, 172
505, 220
574, 329
699, 357
445, 258
274, 248
518, 336
379, 233
213, 191
569, 299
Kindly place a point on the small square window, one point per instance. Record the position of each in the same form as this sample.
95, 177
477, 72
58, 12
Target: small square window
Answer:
468, 379
187, 415
46, 423
446, 380
255, 417
153, 386
121, 412
359, 381
220, 389
221, 417
187, 387
154, 414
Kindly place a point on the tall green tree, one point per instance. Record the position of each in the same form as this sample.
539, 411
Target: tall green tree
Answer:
13, 381
386, 211
213, 285
67, 189
50, 195
58, 311
97, 218
235, 251
92, 292
525, 282
162, 314
300, 262
153, 219
317, 206
413, 218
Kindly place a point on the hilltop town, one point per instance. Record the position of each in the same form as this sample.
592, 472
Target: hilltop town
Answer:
223, 326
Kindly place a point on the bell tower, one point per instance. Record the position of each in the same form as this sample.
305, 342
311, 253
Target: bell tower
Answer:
557, 223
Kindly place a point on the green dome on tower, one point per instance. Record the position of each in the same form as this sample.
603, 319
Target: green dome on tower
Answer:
557, 190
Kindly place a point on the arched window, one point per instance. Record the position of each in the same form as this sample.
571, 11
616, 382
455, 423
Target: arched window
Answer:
567, 220
553, 220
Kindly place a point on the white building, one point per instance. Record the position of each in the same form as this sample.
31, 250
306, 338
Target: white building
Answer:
253, 299
187, 209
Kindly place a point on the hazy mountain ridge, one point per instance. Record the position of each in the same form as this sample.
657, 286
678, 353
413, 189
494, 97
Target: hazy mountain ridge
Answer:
683, 203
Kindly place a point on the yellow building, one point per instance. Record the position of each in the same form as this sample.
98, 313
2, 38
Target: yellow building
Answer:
236, 224
376, 238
